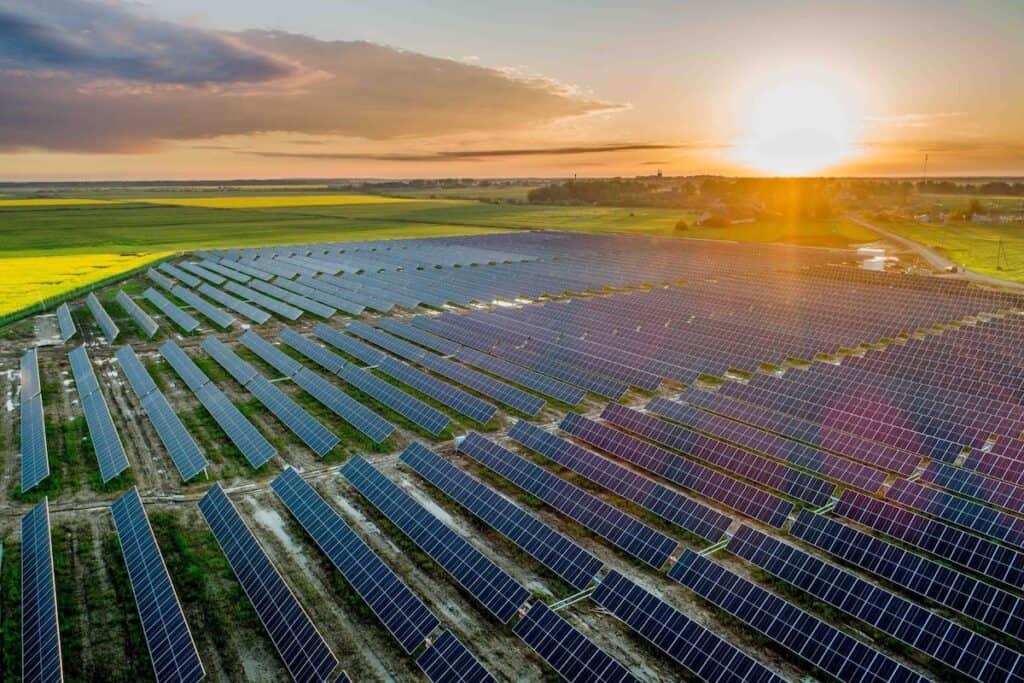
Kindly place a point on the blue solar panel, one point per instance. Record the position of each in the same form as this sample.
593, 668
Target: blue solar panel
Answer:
448, 661
556, 552
217, 316
183, 365
35, 464
430, 419
700, 651
198, 270
347, 344
542, 384
141, 318
569, 652
326, 359
303, 650
179, 275
480, 576
406, 331
66, 323
226, 358
168, 638
461, 402
330, 300
367, 422
297, 300
398, 608
106, 442
650, 495
284, 310
40, 634
257, 315
160, 280
103, 319
273, 356
229, 273
310, 430
182, 319
626, 532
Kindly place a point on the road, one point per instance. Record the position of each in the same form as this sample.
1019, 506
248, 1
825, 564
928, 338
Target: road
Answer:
935, 259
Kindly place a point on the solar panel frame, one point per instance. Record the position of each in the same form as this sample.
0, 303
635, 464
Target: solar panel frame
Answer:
364, 420
66, 323
180, 318
40, 630
305, 653
480, 576
557, 552
171, 647
400, 610
184, 451
574, 656
447, 660
145, 322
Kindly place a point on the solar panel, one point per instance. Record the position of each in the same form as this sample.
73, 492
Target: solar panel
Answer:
625, 532
973, 485
542, 384
331, 300
458, 400
248, 270
249, 441
398, 608
184, 451
696, 648
273, 356
257, 315
179, 275
520, 400
217, 316
229, 273
347, 344
227, 359
474, 571
106, 442
40, 633
29, 377
310, 431
182, 319
937, 582
723, 489
556, 552
171, 647
196, 269
160, 279
568, 651
399, 347
953, 645
671, 505
35, 464
66, 323
804, 635
103, 319
141, 318
447, 660
284, 310
367, 422
303, 650
430, 419
297, 300
326, 359
433, 342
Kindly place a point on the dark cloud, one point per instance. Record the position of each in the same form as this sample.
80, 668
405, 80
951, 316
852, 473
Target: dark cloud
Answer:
467, 155
102, 40
90, 77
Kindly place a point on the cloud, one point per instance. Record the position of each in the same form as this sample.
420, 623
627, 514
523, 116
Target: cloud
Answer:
468, 154
86, 76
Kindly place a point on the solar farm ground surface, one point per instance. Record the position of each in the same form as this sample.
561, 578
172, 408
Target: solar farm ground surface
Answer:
101, 637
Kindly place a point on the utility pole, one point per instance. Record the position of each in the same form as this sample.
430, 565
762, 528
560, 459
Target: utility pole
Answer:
1001, 256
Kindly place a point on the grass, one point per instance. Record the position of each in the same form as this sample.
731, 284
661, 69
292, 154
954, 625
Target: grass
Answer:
264, 201
54, 201
973, 245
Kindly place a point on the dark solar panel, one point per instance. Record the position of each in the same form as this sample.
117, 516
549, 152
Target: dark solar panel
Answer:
542, 384
297, 300
953, 645
569, 652
367, 422
145, 322
317, 353
458, 400
520, 400
804, 635
474, 571
626, 532
66, 323
183, 365
168, 638
286, 311
40, 634
448, 661
257, 315
413, 334
398, 608
180, 318
106, 442
35, 464
310, 430
110, 330
347, 344
273, 356
201, 272
974, 485
227, 359
430, 419
697, 649
179, 275
217, 316
650, 495
555, 551
159, 279
303, 650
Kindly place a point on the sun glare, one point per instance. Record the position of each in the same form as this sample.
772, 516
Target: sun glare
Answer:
796, 127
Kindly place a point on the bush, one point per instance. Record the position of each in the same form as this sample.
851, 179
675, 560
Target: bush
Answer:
681, 226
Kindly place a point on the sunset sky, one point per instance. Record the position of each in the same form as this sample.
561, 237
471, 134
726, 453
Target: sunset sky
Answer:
182, 89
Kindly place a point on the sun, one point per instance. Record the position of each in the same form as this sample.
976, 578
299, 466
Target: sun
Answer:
796, 127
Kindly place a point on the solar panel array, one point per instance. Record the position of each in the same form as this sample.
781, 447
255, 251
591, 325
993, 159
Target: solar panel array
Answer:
257, 315
201, 272
159, 279
625, 532
310, 431
40, 633
448, 661
106, 442
569, 652
398, 608
286, 311
305, 654
184, 451
66, 323
474, 571
957, 647
464, 403
413, 409
697, 649
144, 320
803, 634
179, 275
110, 330
35, 459
253, 446
299, 301
556, 552
182, 319
217, 316
668, 504
171, 647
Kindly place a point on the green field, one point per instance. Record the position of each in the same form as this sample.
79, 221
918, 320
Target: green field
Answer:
975, 246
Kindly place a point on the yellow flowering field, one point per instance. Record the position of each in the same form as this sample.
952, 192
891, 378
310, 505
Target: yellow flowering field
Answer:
27, 280
271, 201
